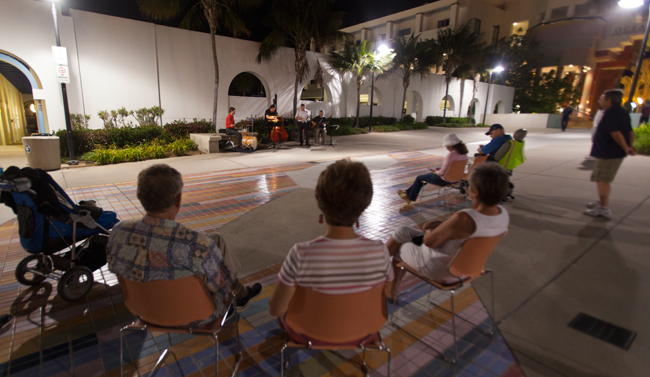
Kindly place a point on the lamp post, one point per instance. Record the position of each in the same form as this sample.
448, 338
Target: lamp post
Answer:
64, 92
639, 62
381, 50
487, 97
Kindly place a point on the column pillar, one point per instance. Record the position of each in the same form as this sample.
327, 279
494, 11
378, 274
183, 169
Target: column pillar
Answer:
418, 23
453, 16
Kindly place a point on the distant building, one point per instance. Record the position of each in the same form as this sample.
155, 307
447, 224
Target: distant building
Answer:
594, 41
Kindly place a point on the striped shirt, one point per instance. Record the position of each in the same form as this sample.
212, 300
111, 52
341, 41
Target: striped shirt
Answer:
337, 266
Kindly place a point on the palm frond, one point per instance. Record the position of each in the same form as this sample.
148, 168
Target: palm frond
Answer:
194, 19
270, 45
230, 20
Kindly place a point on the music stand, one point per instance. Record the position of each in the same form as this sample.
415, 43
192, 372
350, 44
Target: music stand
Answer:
336, 127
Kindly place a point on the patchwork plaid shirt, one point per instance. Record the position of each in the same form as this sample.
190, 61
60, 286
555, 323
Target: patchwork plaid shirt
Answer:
161, 249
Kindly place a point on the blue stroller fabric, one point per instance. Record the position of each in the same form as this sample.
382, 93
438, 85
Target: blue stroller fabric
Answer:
47, 199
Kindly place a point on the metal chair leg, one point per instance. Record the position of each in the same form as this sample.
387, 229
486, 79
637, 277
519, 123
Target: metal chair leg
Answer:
453, 324
396, 299
389, 355
239, 354
121, 352
364, 366
216, 355
494, 316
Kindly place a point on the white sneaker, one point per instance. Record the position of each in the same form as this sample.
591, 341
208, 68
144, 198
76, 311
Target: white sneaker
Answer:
592, 205
589, 158
599, 211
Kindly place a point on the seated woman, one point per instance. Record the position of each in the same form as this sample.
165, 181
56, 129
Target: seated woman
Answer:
429, 250
457, 152
339, 262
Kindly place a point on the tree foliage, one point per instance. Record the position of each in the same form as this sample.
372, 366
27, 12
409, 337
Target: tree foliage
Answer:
359, 60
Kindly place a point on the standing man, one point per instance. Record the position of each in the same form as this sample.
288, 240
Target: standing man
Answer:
645, 112
269, 116
612, 143
566, 117
319, 123
230, 126
302, 116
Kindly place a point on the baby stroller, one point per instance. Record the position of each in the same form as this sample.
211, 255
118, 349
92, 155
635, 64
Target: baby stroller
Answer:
67, 241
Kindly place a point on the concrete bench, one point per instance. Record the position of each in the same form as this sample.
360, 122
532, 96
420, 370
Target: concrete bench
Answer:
208, 143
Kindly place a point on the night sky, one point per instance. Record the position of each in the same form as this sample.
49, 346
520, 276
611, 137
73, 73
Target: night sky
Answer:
356, 11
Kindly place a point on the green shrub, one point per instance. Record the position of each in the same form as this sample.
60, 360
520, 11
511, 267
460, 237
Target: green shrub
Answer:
181, 129
436, 120
347, 130
408, 119
112, 155
642, 139
459, 125
420, 126
385, 129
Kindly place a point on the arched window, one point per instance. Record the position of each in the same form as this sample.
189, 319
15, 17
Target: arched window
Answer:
450, 103
246, 85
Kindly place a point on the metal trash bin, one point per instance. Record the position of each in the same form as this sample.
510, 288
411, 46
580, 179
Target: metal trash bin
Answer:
43, 152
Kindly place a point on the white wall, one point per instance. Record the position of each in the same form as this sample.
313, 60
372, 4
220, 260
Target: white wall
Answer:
117, 63
513, 122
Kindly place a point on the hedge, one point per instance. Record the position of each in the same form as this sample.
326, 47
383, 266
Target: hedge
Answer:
642, 139
436, 120
461, 125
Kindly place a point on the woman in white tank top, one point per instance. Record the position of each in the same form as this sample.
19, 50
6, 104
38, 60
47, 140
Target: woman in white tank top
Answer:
429, 250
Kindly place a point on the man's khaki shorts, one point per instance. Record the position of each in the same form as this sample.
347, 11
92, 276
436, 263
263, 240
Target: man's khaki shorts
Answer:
605, 169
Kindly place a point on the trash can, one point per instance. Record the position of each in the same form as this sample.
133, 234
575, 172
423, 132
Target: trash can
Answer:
43, 152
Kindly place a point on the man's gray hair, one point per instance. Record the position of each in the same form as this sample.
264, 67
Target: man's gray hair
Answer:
158, 187
614, 95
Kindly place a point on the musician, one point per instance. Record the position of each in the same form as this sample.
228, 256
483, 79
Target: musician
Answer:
319, 123
269, 115
230, 126
302, 116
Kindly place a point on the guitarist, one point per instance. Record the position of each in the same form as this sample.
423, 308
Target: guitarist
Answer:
320, 122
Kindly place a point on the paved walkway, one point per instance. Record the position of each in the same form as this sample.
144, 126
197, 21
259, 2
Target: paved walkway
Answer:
554, 263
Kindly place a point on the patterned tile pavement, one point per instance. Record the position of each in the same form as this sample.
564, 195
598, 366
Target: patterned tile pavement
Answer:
50, 337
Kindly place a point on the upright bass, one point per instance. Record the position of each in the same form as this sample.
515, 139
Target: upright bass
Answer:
278, 133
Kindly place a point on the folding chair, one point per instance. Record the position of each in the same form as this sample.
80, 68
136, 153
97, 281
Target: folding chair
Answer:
173, 306
466, 266
478, 160
455, 173
322, 321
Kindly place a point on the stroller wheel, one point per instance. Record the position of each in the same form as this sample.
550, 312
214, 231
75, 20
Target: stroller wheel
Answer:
75, 283
33, 270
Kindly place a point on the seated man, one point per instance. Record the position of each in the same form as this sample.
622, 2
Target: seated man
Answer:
319, 123
498, 135
230, 126
429, 250
159, 248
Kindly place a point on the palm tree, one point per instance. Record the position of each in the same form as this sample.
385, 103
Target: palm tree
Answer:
299, 23
359, 60
456, 46
413, 57
217, 14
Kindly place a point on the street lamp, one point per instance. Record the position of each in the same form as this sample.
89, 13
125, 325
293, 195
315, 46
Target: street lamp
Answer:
382, 49
64, 92
487, 97
639, 62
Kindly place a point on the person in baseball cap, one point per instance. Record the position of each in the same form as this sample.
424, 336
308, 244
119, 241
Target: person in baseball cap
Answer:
457, 152
499, 137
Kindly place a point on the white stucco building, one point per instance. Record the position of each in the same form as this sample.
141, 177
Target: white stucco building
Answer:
116, 62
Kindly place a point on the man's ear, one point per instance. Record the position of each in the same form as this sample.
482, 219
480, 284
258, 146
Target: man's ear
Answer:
179, 199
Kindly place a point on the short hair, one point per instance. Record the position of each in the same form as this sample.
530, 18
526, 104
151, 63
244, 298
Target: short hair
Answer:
343, 192
491, 181
614, 95
231, 109
272, 106
302, 104
158, 187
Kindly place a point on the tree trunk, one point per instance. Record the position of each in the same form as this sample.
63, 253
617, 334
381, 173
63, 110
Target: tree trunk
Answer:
356, 121
213, 31
444, 111
472, 115
405, 84
460, 101
300, 54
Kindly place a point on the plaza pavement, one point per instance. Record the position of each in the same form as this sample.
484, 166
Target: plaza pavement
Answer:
554, 263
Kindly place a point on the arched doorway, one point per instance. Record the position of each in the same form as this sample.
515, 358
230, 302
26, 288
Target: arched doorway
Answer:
473, 108
499, 108
450, 105
413, 105
17, 82
364, 96
248, 92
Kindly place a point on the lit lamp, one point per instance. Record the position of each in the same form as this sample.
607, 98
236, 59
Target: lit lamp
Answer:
635, 4
381, 50
487, 97
64, 92
639, 100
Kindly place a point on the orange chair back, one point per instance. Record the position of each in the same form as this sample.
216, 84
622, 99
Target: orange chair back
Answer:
337, 318
456, 171
470, 260
478, 160
168, 303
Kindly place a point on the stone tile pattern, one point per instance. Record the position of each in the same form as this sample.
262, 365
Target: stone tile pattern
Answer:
50, 337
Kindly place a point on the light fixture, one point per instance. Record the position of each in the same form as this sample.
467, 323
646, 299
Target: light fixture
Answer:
32, 108
639, 100
382, 49
630, 3
498, 69
570, 65
633, 104
514, 23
